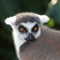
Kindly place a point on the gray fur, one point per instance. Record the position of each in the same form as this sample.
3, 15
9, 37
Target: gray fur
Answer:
27, 17
46, 47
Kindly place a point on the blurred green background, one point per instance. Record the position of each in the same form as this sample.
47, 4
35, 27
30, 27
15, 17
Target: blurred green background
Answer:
11, 7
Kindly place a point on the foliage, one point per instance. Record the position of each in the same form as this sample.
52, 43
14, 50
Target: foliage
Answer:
51, 23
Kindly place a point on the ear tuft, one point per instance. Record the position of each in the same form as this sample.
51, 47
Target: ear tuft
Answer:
44, 18
10, 20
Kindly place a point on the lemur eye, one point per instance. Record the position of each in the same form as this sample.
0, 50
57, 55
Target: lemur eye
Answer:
22, 29
35, 28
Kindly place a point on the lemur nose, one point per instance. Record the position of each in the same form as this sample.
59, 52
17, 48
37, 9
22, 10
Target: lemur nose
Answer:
30, 37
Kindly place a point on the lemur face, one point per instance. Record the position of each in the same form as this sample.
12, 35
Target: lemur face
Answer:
27, 26
28, 31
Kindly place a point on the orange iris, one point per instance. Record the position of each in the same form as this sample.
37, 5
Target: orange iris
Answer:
35, 29
21, 29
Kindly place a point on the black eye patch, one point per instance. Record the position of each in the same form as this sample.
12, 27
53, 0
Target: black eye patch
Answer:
35, 28
22, 29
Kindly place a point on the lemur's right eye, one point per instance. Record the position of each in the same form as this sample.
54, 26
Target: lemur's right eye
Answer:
22, 29
35, 28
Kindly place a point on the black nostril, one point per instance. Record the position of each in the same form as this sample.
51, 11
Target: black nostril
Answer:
30, 37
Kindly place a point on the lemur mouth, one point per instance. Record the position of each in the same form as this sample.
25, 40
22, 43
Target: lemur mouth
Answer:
30, 38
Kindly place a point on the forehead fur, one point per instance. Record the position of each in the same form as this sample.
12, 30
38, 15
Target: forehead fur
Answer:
27, 17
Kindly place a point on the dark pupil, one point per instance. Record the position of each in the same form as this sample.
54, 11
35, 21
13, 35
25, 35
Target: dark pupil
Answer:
35, 28
22, 29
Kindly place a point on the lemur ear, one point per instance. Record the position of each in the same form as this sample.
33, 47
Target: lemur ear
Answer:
10, 20
44, 18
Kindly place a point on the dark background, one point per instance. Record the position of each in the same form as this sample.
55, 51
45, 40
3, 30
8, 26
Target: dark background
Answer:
10, 8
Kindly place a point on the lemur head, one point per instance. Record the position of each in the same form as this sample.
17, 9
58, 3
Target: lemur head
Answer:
27, 26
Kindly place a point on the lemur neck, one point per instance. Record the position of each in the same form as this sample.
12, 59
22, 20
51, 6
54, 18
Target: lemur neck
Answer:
23, 46
18, 45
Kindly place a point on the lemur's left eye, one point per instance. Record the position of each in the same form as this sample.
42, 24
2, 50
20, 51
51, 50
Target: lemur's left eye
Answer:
35, 28
22, 29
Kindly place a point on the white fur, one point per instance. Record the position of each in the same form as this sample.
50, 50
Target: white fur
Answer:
38, 33
43, 18
29, 25
11, 21
18, 42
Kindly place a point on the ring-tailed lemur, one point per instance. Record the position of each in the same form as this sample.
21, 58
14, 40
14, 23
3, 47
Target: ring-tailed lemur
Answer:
32, 40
